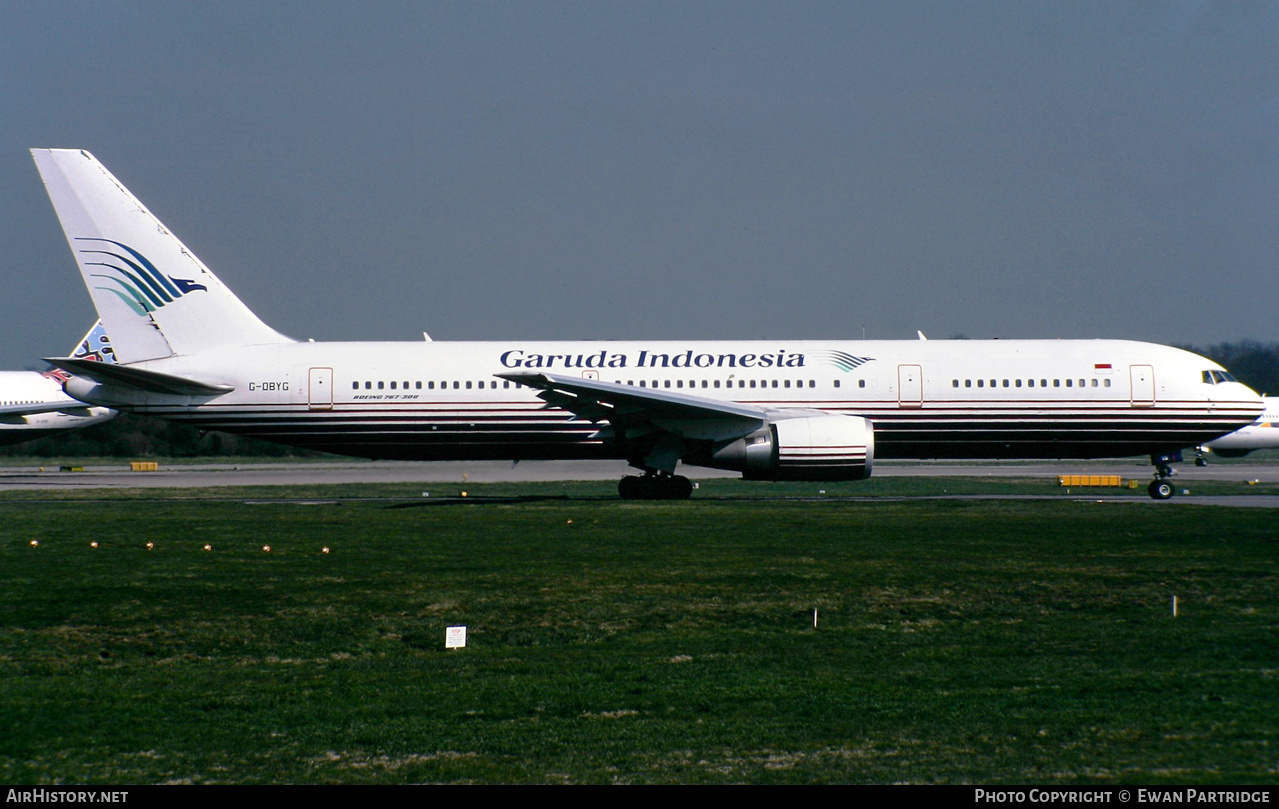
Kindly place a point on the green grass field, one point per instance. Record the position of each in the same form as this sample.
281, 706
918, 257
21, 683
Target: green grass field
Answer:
957, 641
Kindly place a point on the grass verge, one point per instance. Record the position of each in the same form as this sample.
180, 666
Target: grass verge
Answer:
957, 641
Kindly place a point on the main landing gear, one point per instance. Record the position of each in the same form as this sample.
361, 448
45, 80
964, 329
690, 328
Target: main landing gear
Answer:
1161, 487
655, 486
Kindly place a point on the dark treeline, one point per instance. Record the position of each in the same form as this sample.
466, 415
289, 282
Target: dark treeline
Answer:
1254, 364
128, 436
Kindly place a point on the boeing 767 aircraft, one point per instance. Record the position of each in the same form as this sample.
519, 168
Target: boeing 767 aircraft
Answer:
190, 351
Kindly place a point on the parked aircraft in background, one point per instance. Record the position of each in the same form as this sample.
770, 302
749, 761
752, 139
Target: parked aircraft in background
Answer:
33, 404
1261, 434
190, 351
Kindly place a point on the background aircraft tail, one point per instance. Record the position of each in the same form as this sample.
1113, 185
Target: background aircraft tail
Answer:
154, 297
95, 346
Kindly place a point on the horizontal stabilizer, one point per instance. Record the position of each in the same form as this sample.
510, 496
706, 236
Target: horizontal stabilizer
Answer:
137, 378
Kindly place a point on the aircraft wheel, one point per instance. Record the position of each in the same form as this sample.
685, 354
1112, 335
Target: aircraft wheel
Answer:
655, 487
1160, 489
681, 488
1201, 461
629, 487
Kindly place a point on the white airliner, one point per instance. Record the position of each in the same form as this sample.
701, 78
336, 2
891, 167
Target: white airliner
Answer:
190, 351
33, 405
1261, 434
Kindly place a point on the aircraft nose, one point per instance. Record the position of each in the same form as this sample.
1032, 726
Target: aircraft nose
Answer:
1252, 398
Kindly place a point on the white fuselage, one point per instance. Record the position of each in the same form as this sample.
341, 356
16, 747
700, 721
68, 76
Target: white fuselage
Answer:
1261, 434
33, 405
925, 399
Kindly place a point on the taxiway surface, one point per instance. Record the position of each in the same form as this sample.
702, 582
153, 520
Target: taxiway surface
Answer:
201, 475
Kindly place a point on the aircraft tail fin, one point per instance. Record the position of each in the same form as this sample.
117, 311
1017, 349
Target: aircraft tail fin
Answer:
154, 297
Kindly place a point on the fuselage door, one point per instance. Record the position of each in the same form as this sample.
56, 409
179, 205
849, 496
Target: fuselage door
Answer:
320, 392
910, 386
1143, 385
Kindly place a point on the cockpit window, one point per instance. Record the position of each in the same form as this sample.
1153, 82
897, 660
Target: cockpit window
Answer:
1208, 378
1222, 376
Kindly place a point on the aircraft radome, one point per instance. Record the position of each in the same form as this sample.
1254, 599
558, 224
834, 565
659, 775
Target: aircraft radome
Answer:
190, 351
33, 404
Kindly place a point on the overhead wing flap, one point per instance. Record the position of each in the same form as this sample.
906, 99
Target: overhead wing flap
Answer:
686, 416
139, 378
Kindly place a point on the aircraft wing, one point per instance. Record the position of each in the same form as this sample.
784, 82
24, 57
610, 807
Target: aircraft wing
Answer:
657, 428
633, 411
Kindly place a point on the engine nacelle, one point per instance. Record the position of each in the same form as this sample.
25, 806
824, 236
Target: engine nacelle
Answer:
806, 448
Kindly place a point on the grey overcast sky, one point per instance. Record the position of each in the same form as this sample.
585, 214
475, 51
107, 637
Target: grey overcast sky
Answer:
617, 170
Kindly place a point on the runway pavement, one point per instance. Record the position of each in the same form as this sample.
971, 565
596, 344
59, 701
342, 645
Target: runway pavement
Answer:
200, 475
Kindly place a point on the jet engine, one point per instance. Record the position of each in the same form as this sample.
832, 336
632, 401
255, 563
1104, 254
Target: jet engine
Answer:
803, 448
